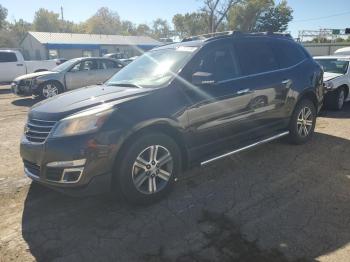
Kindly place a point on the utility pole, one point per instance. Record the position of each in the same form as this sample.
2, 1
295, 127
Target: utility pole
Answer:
62, 13
62, 24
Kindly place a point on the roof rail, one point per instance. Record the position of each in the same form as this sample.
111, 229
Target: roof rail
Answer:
233, 34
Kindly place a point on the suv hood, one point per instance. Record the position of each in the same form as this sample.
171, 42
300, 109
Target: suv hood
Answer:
329, 76
69, 103
34, 75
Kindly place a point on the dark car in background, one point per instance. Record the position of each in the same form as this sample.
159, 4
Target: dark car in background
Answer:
176, 106
72, 74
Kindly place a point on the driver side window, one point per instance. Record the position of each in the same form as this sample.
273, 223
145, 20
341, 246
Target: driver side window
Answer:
219, 62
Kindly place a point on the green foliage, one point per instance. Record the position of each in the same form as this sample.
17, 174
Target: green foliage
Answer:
105, 21
160, 28
46, 21
244, 17
190, 24
276, 19
3, 15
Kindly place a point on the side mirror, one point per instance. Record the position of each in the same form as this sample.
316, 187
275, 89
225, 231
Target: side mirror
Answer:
203, 78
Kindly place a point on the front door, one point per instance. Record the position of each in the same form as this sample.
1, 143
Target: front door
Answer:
219, 109
82, 74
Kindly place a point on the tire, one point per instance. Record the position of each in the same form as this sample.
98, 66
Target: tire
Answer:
135, 180
302, 123
335, 99
50, 89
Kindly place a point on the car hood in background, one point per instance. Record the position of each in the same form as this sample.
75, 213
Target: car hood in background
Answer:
83, 98
329, 76
34, 75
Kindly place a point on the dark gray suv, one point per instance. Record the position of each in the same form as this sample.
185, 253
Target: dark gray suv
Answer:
176, 106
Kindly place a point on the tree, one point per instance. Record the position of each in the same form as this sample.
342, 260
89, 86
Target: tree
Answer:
244, 16
216, 11
128, 28
105, 21
19, 29
275, 19
189, 24
143, 29
3, 15
161, 28
46, 21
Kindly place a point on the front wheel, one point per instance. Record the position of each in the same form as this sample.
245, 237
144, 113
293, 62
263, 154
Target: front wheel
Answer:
335, 99
50, 89
303, 121
148, 168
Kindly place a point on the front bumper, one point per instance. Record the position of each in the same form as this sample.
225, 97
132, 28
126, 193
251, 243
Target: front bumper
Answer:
79, 165
24, 88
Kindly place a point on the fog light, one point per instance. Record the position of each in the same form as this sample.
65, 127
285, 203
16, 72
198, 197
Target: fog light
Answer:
72, 163
71, 175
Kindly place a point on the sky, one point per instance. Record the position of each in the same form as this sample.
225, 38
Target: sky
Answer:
308, 14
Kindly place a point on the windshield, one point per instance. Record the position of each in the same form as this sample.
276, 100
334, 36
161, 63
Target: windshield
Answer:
334, 65
64, 66
153, 69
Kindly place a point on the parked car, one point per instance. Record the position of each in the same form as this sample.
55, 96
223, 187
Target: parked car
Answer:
342, 51
12, 65
70, 75
174, 107
336, 80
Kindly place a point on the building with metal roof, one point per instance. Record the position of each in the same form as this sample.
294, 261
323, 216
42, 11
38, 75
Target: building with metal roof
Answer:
46, 45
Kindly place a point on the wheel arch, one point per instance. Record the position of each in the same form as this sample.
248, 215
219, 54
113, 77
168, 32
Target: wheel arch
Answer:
166, 127
346, 87
309, 94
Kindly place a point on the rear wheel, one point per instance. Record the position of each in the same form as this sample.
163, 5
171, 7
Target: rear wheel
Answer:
303, 121
147, 169
50, 89
335, 99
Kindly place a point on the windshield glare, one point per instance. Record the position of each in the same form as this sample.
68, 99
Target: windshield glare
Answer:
153, 69
64, 66
334, 65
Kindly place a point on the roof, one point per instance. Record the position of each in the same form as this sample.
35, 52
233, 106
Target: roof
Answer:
92, 39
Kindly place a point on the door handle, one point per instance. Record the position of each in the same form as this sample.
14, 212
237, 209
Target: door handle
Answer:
19, 65
243, 91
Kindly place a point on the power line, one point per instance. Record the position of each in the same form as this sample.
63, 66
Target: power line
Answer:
320, 18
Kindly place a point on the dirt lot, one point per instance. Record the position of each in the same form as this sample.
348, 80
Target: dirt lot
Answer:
275, 203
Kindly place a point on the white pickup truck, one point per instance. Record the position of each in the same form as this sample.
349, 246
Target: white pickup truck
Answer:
336, 80
12, 65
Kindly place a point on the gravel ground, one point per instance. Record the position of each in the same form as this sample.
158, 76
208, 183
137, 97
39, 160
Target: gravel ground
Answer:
277, 202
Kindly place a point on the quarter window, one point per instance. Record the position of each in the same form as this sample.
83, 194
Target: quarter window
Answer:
255, 57
288, 53
6, 57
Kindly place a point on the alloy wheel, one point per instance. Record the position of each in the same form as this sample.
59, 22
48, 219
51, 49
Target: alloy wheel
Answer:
152, 169
304, 122
341, 99
50, 90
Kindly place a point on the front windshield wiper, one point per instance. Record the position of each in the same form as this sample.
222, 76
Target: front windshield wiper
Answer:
124, 84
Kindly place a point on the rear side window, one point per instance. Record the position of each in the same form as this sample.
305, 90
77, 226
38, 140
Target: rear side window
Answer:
255, 56
108, 64
6, 57
288, 53
219, 62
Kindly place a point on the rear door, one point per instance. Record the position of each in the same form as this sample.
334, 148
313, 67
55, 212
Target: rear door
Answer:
263, 76
10, 67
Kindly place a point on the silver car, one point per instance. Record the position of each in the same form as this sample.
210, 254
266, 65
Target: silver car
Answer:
70, 75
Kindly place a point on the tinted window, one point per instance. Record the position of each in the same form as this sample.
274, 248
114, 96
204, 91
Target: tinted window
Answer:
255, 56
219, 62
288, 53
7, 57
88, 65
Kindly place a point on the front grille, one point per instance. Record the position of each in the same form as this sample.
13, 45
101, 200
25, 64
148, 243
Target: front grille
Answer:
32, 168
38, 130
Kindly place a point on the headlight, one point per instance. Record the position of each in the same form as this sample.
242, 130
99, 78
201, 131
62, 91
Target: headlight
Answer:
328, 85
85, 122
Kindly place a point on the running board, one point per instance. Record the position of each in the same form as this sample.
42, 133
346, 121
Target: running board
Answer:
245, 148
